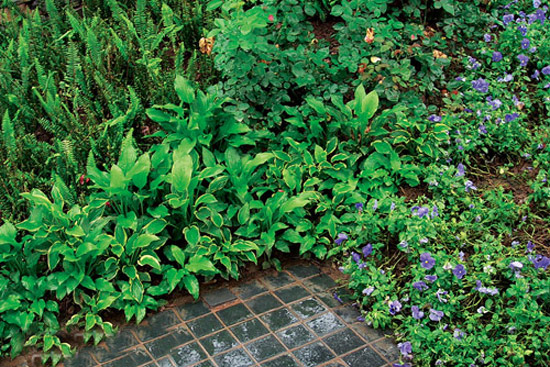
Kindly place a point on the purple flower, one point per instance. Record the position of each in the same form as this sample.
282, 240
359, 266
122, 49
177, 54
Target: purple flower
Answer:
427, 261
482, 129
546, 70
523, 30
336, 297
487, 37
367, 250
525, 43
420, 211
460, 170
392, 206
341, 238
523, 60
459, 271
497, 56
356, 257
416, 313
474, 63
533, 50
541, 262
375, 206
423, 240
507, 19
421, 286
507, 78
458, 334
368, 291
469, 185
535, 75
401, 365
431, 278
436, 315
461, 256
395, 307
359, 206
434, 118
439, 294
403, 244
435, 212
496, 103
405, 348
536, 3
480, 85
511, 117
530, 246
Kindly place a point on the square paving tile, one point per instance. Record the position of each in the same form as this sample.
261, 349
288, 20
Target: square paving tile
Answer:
308, 308
367, 332
162, 346
344, 341
329, 299
387, 348
348, 314
278, 280
156, 325
82, 359
249, 290
188, 355
303, 271
114, 346
165, 362
234, 314
249, 330
320, 283
205, 325
279, 319
265, 348
193, 310
314, 354
295, 336
135, 357
205, 364
364, 357
263, 303
282, 361
292, 293
219, 342
325, 324
218, 296
237, 357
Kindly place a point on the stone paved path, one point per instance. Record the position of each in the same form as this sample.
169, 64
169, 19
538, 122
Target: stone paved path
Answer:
290, 319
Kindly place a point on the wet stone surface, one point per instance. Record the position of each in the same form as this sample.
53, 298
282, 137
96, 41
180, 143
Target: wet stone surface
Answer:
286, 319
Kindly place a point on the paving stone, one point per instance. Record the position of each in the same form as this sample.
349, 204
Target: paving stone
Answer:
237, 357
335, 364
249, 290
81, 359
265, 348
278, 280
279, 319
368, 333
219, 342
156, 325
314, 354
295, 336
364, 357
193, 310
308, 308
348, 314
343, 341
205, 364
292, 293
165, 362
205, 325
320, 283
218, 296
249, 330
387, 348
188, 355
282, 361
135, 357
263, 303
328, 299
162, 346
325, 324
234, 314
114, 346
303, 271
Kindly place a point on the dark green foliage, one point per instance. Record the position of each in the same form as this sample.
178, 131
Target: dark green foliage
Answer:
75, 80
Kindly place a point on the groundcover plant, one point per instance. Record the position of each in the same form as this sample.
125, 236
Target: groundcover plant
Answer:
182, 140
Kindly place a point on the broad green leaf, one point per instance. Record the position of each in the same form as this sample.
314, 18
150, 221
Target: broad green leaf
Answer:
178, 254
151, 261
185, 91
244, 214
182, 170
199, 264
382, 147
145, 240
192, 235
192, 285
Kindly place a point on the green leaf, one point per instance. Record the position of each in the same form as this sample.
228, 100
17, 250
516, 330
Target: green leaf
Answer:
137, 290
192, 235
178, 254
151, 261
244, 214
90, 321
139, 172
192, 285
182, 170
382, 147
145, 240
184, 89
130, 271
199, 264
49, 341
117, 178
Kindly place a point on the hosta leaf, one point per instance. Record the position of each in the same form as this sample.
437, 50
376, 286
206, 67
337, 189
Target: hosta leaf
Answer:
192, 285
199, 264
151, 261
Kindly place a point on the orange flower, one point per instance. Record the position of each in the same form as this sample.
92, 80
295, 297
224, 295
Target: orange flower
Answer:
369, 38
206, 45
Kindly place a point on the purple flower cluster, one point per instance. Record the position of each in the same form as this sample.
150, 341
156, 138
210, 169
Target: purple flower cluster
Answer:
481, 289
481, 85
